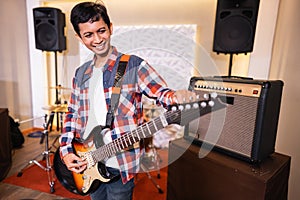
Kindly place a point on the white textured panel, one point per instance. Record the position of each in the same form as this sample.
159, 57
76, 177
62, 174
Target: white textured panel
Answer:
170, 49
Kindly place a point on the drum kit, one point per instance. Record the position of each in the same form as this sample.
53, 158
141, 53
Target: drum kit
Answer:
60, 110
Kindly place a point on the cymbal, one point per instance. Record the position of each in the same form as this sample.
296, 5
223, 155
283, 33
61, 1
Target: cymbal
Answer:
151, 107
56, 108
59, 87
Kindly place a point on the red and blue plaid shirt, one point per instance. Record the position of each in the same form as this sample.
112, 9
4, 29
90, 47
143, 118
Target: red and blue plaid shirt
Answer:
139, 79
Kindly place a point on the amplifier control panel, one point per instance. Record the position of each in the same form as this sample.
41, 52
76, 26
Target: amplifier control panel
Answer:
252, 90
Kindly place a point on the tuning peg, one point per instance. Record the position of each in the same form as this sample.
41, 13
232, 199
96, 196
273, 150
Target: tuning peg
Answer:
206, 96
187, 106
174, 108
180, 107
195, 105
214, 95
211, 103
203, 104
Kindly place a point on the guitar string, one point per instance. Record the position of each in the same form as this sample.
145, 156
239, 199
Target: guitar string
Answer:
110, 148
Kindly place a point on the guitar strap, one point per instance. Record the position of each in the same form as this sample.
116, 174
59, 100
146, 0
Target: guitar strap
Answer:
116, 90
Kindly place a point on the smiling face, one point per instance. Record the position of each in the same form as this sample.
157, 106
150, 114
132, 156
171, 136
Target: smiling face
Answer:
95, 35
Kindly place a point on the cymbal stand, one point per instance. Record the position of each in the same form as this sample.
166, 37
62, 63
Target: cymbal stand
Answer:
61, 130
146, 161
45, 154
151, 162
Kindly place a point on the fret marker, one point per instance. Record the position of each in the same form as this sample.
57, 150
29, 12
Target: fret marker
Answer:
163, 120
155, 126
148, 128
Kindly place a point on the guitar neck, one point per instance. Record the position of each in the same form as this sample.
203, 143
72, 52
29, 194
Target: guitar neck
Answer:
182, 115
144, 131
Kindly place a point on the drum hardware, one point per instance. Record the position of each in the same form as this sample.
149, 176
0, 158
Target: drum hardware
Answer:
45, 154
59, 87
28, 120
60, 110
150, 161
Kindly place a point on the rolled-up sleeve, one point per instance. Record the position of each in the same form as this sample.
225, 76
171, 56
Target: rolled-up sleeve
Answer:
153, 85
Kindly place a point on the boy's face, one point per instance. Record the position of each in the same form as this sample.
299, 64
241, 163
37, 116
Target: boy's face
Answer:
96, 36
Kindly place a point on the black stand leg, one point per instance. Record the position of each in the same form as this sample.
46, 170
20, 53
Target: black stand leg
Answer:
45, 154
152, 162
230, 65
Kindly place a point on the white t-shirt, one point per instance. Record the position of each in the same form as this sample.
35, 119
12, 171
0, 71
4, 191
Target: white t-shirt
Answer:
98, 110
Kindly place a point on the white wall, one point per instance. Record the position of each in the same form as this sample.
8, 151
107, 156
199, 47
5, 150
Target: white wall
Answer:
15, 83
286, 66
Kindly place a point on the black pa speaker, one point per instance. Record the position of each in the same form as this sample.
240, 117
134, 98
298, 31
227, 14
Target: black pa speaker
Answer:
49, 26
235, 26
247, 127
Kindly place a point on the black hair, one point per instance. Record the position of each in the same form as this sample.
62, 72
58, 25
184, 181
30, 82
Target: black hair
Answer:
88, 11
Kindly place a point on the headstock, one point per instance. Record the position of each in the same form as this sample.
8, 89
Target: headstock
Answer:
184, 113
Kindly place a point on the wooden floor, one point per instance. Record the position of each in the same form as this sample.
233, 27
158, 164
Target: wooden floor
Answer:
32, 149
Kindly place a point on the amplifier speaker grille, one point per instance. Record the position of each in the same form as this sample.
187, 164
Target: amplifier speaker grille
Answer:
247, 127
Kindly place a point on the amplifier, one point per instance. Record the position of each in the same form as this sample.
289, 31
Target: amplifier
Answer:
246, 128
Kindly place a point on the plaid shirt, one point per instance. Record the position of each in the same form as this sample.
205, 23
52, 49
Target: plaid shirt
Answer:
139, 78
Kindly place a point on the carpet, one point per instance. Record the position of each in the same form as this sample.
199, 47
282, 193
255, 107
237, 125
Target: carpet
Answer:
36, 178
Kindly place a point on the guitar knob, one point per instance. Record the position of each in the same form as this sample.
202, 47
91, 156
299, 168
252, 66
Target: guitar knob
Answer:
203, 104
211, 103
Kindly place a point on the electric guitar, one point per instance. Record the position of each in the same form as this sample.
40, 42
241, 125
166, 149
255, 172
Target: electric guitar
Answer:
96, 172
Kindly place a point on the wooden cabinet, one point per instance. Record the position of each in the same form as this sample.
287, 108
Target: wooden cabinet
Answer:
218, 176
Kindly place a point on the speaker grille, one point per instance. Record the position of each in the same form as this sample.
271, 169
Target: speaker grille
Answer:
234, 34
46, 36
231, 129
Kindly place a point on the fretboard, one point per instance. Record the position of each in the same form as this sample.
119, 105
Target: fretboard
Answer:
144, 131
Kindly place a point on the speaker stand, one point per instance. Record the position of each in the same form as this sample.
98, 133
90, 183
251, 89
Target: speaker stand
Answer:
57, 100
230, 64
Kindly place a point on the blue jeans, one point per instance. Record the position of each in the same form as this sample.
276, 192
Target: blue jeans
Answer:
114, 191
